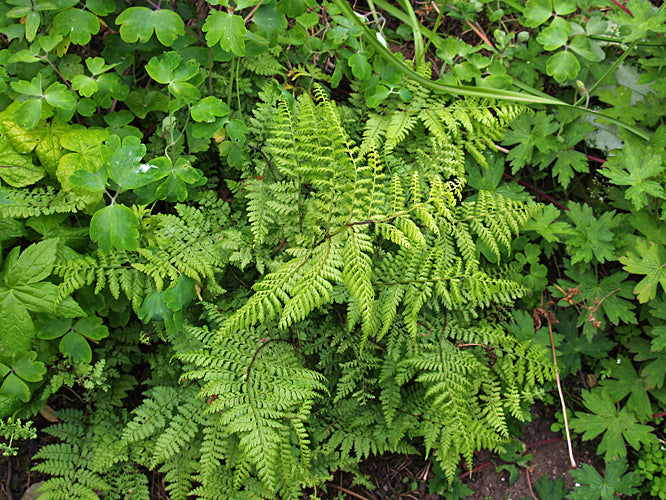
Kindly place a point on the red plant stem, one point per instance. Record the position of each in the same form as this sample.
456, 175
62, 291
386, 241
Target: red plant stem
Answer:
538, 192
540, 443
657, 415
620, 5
594, 158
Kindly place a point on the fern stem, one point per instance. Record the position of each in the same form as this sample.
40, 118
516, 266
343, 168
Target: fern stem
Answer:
559, 390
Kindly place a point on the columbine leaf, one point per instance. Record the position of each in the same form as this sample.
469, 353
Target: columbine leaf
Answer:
208, 109
563, 66
91, 327
360, 66
115, 226
555, 35
226, 29
123, 162
79, 24
15, 386
138, 23
76, 346
29, 369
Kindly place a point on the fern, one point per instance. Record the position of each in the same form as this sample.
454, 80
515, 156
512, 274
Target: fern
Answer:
263, 396
330, 197
22, 203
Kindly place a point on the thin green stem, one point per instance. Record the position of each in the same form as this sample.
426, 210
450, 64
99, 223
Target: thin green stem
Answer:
419, 52
437, 22
464, 90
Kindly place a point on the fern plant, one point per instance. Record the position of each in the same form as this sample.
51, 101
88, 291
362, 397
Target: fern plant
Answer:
345, 220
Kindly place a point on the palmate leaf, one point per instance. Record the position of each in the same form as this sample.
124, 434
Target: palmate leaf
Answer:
618, 426
592, 486
648, 259
637, 168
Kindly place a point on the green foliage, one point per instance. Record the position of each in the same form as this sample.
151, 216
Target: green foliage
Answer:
354, 246
617, 426
651, 466
591, 485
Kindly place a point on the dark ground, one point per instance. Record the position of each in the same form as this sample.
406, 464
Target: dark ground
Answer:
393, 477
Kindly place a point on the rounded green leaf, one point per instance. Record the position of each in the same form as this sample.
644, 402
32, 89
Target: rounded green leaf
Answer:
139, 23
29, 369
28, 113
226, 29
360, 66
562, 66
93, 181
78, 23
115, 226
48, 327
555, 35
91, 327
59, 96
76, 346
582, 46
377, 96
208, 109
123, 162
237, 131
14, 386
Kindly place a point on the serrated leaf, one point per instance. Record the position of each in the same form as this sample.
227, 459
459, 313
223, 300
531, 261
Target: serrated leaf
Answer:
17, 330
617, 426
226, 29
626, 382
649, 259
115, 226
18, 170
34, 264
637, 168
591, 486
139, 23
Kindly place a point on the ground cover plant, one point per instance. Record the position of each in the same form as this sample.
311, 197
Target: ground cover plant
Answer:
264, 241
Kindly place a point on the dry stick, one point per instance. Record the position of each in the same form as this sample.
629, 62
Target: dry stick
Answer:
349, 492
559, 390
